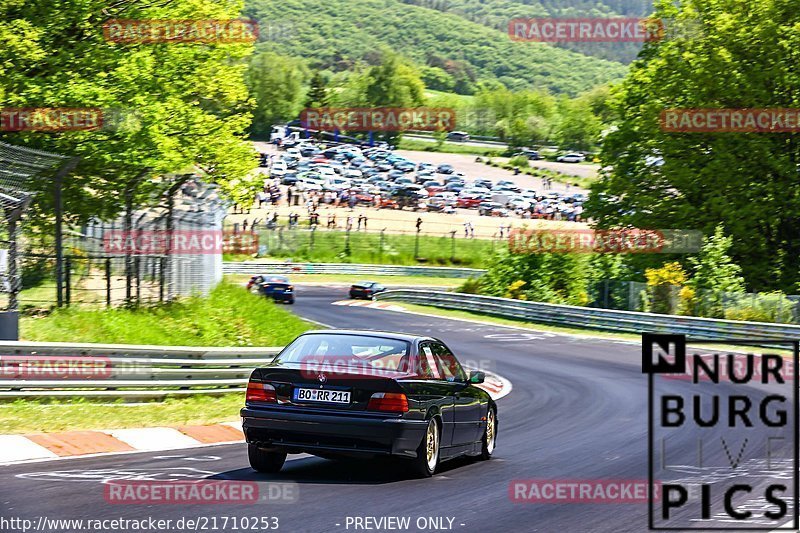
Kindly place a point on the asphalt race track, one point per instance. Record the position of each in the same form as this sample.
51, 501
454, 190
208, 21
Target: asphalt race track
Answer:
578, 411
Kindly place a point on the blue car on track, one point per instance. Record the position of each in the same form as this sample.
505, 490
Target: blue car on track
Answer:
276, 287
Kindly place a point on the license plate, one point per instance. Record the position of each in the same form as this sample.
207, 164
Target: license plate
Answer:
321, 395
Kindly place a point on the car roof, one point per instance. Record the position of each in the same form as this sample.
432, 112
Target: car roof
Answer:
409, 337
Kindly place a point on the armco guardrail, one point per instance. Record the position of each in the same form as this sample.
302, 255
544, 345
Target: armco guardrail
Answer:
254, 267
121, 371
603, 319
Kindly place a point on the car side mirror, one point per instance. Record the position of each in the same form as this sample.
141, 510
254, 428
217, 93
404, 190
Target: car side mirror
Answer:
477, 377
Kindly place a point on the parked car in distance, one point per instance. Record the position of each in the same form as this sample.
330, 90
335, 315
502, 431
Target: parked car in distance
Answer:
571, 158
366, 290
445, 168
458, 136
532, 155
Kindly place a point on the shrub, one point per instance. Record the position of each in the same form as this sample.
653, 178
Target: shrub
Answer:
471, 286
519, 161
663, 285
766, 307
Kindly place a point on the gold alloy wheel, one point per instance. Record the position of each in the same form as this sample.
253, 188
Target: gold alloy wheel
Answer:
432, 445
490, 431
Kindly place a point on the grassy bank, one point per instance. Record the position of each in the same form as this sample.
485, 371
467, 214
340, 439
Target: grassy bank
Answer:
450, 148
362, 247
229, 316
26, 416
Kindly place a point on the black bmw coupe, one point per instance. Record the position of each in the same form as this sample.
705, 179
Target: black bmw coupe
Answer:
365, 393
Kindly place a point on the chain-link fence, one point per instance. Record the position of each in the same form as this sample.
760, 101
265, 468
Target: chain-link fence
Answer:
149, 255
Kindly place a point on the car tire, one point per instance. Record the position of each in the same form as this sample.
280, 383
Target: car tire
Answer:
426, 463
291, 302
264, 461
489, 439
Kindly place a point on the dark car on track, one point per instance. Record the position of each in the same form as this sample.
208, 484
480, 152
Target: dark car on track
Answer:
339, 394
366, 290
278, 288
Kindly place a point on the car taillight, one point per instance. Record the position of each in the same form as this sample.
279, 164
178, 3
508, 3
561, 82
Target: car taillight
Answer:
261, 392
388, 401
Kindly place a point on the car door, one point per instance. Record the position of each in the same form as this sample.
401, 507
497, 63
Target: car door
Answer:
468, 409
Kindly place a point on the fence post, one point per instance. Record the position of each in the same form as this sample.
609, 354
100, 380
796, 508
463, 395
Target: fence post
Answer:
380, 246
416, 245
137, 267
347, 241
311, 241
453, 246
108, 282
68, 279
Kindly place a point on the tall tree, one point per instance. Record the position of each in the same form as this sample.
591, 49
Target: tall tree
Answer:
179, 106
318, 91
275, 84
743, 54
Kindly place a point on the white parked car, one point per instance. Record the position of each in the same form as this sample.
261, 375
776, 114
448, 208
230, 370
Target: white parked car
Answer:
278, 169
306, 184
519, 202
571, 158
337, 184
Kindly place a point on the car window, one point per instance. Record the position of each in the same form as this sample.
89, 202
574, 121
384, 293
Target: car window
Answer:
354, 351
449, 367
428, 369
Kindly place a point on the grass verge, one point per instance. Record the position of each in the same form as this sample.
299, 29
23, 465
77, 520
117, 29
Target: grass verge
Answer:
26, 416
229, 316
450, 148
372, 248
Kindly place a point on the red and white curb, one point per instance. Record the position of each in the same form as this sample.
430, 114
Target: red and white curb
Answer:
372, 305
71, 444
43, 446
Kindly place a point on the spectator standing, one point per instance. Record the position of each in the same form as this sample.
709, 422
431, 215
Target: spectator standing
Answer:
419, 224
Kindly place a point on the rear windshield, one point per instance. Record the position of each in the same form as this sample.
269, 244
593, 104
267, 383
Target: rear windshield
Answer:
352, 351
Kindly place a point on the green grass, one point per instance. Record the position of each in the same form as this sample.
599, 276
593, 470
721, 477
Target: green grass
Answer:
450, 148
229, 316
333, 246
346, 279
26, 416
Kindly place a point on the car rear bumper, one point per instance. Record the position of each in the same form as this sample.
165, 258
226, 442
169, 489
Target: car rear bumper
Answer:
306, 432
281, 297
